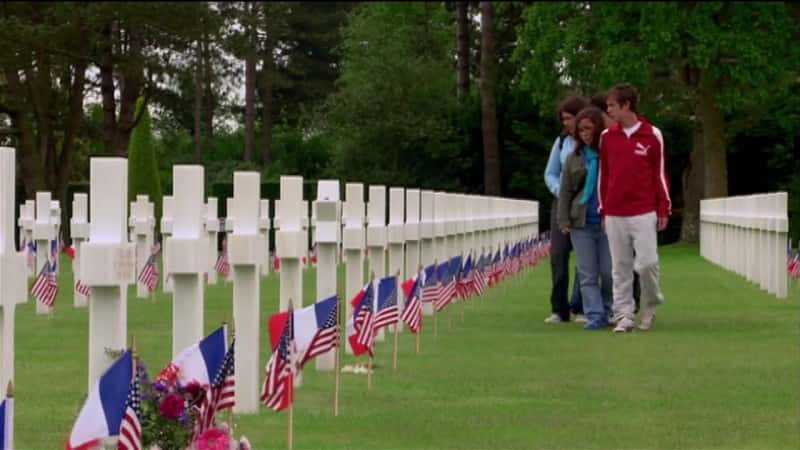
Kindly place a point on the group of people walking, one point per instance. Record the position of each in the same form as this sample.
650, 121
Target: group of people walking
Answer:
610, 198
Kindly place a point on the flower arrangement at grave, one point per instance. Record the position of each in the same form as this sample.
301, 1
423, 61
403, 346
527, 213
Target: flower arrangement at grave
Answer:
170, 414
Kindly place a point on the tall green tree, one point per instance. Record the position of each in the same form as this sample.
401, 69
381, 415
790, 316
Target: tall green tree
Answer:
142, 165
715, 63
392, 115
491, 149
44, 50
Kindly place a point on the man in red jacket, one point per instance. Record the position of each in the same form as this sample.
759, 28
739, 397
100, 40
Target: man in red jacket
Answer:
634, 202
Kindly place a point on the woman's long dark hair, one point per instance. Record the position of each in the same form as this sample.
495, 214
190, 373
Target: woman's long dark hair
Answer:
595, 115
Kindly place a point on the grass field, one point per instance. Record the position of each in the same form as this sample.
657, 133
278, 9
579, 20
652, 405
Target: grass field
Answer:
721, 369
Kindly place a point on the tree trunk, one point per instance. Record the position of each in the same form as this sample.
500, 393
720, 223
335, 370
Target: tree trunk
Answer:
693, 188
198, 105
267, 73
208, 94
491, 156
462, 35
117, 129
715, 157
249, 95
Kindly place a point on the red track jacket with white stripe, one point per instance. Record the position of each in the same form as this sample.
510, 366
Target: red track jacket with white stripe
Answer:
632, 176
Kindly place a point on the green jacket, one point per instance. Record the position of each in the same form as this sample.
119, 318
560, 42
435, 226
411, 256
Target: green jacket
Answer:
571, 213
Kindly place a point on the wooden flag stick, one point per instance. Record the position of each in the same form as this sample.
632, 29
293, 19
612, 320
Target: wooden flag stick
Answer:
397, 323
419, 328
230, 410
450, 321
291, 416
369, 374
394, 357
336, 359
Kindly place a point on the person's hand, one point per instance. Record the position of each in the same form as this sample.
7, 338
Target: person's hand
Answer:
662, 223
565, 230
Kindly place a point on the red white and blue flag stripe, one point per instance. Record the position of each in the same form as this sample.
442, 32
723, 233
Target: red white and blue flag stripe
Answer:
198, 363
412, 311
102, 415
361, 325
278, 390
316, 329
388, 310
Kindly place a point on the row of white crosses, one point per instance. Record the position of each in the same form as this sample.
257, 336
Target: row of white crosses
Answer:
748, 235
141, 223
107, 264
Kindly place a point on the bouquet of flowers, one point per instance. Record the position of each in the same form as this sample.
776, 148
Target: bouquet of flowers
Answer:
169, 415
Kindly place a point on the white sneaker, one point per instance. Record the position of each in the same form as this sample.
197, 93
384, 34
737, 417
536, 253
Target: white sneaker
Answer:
648, 318
580, 318
554, 318
623, 326
612, 320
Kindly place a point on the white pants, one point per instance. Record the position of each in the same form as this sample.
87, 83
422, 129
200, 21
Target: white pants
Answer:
633, 242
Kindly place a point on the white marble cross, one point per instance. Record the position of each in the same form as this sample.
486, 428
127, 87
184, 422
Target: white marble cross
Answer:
230, 225
376, 239
427, 234
411, 232
167, 220
395, 234
79, 232
27, 214
43, 233
108, 263
12, 266
141, 225
245, 248
326, 235
263, 229
212, 228
353, 243
186, 256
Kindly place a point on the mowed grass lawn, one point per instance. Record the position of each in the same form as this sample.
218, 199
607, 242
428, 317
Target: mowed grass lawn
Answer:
721, 369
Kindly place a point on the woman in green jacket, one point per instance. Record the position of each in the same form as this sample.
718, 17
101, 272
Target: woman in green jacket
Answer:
578, 217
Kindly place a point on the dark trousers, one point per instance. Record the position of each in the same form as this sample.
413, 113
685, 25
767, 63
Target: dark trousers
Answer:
561, 246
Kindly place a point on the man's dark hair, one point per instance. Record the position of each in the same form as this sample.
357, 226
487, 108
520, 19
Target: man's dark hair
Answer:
625, 93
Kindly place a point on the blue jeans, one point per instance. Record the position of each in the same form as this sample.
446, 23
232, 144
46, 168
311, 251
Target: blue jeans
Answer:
594, 271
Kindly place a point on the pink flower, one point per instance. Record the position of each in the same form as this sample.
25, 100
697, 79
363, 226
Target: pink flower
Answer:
172, 407
213, 439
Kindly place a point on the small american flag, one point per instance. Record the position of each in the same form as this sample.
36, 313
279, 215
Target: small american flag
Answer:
45, 288
31, 254
412, 313
465, 283
221, 394
446, 286
429, 291
277, 392
222, 266
365, 322
82, 289
130, 430
388, 311
479, 277
149, 275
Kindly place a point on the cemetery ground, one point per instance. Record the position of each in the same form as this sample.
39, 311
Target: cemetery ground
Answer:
720, 369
